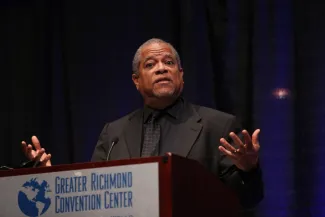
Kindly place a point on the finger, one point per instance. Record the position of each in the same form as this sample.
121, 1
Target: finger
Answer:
24, 146
39, 154
227, 145
238, 142
36, 143
255, 137
29, 152
248, 140
44, 156
227, 152
46, 160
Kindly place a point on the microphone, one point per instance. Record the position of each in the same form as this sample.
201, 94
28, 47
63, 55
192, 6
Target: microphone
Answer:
115, 141
5, 168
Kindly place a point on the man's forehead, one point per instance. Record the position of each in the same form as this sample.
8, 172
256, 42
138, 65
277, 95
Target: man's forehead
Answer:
157, 55
154, 50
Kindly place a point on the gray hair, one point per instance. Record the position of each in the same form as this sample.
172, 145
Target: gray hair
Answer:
137, 56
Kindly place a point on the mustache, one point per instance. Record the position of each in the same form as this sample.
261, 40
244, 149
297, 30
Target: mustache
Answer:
165, 78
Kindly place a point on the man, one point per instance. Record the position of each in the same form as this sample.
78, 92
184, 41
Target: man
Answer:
168, 123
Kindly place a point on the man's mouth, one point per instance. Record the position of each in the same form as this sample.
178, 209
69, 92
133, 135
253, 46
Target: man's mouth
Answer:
163, 81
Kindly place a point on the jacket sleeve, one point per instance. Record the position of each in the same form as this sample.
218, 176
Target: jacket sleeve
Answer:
102, 145
248, 185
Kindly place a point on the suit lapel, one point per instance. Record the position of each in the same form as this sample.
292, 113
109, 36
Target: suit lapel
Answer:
187, 133
133, 134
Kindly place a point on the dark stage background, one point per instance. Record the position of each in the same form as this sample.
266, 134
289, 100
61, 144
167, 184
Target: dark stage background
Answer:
66, 70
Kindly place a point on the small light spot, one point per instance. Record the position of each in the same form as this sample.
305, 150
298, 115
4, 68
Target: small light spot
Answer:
281, 93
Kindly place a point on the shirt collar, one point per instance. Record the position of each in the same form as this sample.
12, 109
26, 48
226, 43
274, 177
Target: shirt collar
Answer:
173, 110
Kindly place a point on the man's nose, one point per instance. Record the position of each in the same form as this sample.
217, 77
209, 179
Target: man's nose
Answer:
161, 68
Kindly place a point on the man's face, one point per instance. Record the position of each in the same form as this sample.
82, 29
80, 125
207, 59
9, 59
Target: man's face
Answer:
159, 74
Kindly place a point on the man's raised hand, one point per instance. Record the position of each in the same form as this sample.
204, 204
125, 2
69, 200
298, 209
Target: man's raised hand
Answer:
37, 153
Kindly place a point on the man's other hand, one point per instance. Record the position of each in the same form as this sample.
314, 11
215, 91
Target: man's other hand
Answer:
37, 153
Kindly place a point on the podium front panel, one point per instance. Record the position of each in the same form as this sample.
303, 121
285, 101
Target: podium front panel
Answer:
124, 191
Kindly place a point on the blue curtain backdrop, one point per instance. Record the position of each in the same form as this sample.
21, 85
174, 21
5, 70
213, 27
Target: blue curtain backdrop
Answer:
66, 70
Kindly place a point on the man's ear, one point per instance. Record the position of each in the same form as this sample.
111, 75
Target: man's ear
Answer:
135, 79
182, 73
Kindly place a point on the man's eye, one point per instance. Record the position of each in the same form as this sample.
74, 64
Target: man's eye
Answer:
169, 62
148, 65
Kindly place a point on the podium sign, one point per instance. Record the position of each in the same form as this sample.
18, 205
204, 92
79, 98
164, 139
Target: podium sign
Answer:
164, 186
123, 190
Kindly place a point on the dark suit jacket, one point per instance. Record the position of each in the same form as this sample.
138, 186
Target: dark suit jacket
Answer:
199, 132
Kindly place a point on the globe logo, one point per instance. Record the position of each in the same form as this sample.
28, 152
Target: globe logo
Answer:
33, 199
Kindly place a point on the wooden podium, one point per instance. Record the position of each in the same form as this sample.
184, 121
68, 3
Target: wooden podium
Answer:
185, 188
